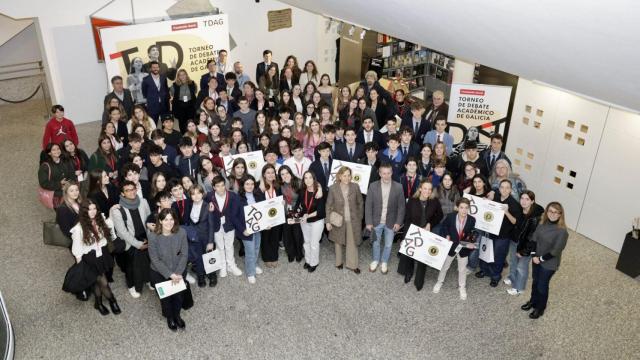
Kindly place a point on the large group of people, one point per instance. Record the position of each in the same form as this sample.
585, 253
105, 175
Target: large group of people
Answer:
159, 191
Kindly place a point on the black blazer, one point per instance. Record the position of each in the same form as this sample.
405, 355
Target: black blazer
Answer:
377, 138
423, 129
231, 107
157, 99
316, 205
413, 150
318, 170
66, 219
413, 213
204, 82
176, 94
343, 154
127, 102
261, 69
205, 227
285, 86
373, 176
235, 92
104, 203
448, 228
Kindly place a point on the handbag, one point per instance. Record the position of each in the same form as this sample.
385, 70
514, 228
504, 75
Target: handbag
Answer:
47, 197
79, 277
335, 219
187, 298
53, 235
117, 245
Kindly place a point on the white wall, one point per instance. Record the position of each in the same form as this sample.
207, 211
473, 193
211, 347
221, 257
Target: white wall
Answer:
79, 82
560, 146
463, 71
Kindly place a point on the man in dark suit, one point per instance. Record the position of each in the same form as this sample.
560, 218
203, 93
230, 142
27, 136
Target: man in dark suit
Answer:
493, 153
204, 79
231, 84
262, 67
408, 148
368, 134
321, 167
415, 120
123, 95
437, 110
156, 91
350, 151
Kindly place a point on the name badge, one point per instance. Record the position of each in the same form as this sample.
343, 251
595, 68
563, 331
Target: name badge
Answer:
185, 98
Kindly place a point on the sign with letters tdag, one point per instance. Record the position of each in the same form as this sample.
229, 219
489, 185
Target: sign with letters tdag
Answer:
426, 247
264, 214
488, 214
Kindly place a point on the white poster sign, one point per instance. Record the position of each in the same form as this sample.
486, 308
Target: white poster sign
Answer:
488, 214
254, 160
426, 247
175, 44
478, 103
212, 261
264, 214
168, 288
486, 250
360, 174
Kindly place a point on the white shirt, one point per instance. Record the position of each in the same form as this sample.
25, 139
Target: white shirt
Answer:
368, 136
79, 248
195, 211
220, 200
298, 102
298, 168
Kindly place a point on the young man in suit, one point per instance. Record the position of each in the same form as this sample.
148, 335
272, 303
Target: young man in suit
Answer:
384, 214
123, 95
156, 91
440, 135
408, 148
233, 90
350, 151
321, 167
493, 153
204, 79
262, 67
368, 134
414, 119
393, 156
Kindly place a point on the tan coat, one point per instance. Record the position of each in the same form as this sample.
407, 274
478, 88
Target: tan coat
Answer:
335, 202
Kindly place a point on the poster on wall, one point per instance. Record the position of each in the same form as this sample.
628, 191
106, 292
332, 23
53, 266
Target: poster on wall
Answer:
175, 44
478, 108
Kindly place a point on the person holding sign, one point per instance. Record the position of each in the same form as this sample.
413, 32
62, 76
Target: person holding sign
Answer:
201, 226
344, 211
512, 215
291, 233
270, 238
168, 251
423, 209
384, 213
457, 228
550, 238
298, 163
251, 194
227, 206
312, 220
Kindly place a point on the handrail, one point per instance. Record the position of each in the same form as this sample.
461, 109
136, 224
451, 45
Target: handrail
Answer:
39, 62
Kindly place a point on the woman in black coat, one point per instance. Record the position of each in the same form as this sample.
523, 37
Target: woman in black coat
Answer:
67, 212
102, 191
458, 228
423, 210
201, 225
183, 105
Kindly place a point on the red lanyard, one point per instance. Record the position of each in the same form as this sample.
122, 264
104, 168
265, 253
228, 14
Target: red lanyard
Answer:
271, 193
299, 169
288, 197
215, 202
112, 162
180, 204
461, 224
76, 160
310, 203
410, 186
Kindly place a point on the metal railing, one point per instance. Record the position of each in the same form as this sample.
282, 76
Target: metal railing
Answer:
27, 70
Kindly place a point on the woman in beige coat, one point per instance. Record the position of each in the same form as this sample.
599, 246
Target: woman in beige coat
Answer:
351, 211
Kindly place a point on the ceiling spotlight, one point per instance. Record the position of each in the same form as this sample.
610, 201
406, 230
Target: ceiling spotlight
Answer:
362, 34
352, 30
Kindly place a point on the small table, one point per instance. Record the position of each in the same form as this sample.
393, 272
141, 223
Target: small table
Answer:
629, 259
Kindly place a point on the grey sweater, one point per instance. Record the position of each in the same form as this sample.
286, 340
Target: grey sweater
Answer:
168, 254
550, 241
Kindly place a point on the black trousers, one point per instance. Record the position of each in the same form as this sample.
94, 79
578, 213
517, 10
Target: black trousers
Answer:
137, 268
293, 241
184, 111
270, 243
171, 305
406, 267
540, 286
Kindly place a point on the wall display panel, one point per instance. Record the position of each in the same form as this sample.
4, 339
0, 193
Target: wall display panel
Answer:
610, 203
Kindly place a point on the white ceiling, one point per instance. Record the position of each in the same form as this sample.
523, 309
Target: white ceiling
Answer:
588, 47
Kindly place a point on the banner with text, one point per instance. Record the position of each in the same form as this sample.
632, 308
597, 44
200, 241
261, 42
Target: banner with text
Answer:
488, 214
264, 214
360, 174
426, 247
175, 44
254, 161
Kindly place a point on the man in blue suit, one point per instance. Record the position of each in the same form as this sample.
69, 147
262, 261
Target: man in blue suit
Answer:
204, 79
439, 134
321, 167
156, 91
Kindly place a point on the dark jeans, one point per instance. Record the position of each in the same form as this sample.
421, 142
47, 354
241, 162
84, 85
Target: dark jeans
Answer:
171, 305
196, 249
540, 287
500, 251
293, 241
184, 111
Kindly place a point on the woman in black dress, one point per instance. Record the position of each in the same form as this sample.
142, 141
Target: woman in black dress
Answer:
102, 191
270, 241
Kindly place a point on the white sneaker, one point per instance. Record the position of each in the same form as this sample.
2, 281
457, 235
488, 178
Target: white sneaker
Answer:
384, 268
191, 279
252, 279
258, 270
151, 287
514, 292
463, 294
223, 273
235, 271
373, 266
507, 281
468, 271
134, 293
437, 287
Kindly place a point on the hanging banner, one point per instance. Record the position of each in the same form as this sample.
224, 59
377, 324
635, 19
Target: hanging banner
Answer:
264, 214
488, 214
175, 44
360, 174
254, 161
426, 247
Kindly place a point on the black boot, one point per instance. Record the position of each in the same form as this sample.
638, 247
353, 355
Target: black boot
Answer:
180, 322
100, 307
536, 314
82, 296
201, 281
527, 306
213, 279
171, 323
113, 304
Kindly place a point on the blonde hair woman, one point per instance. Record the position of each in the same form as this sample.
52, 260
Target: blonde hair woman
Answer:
140, 116
344, 209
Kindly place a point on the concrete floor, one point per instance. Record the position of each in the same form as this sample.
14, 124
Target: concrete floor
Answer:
289, 314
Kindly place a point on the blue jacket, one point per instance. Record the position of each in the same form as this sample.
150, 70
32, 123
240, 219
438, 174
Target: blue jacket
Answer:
448, 228
233, 212
397, 163
431, 138
187, 166
206, 226
157, 99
